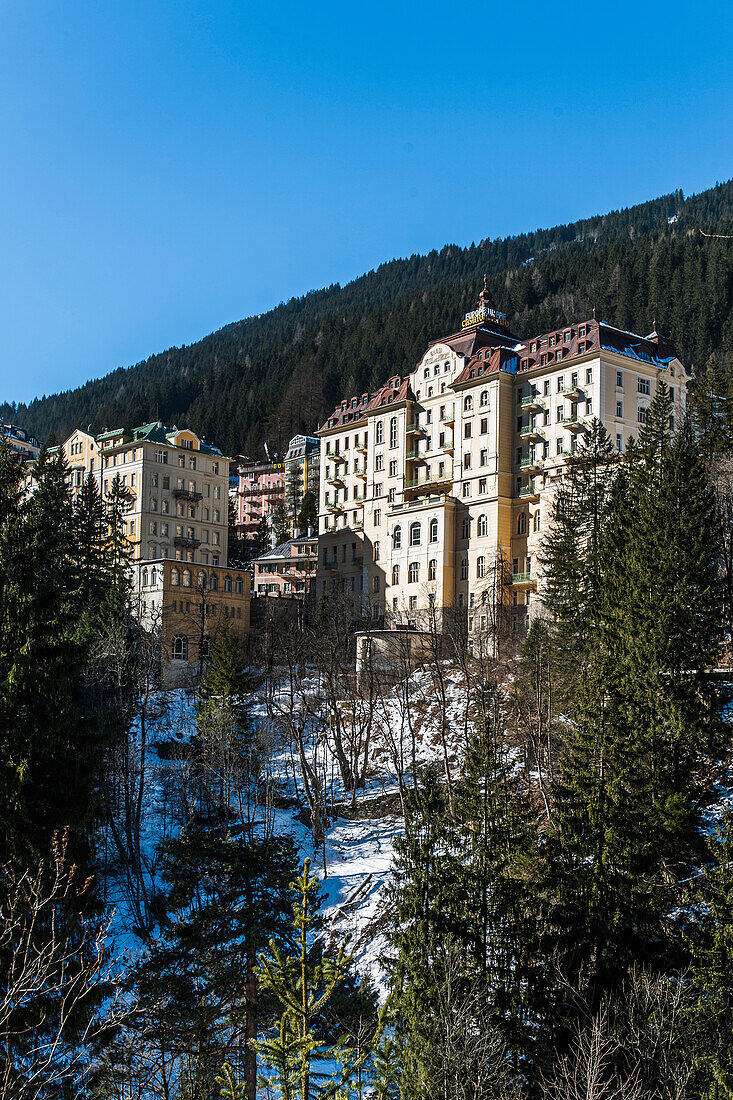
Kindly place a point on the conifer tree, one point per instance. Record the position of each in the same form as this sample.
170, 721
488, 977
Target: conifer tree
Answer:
304, 984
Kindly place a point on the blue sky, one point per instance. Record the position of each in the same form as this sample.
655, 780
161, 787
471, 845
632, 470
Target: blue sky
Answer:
168, 167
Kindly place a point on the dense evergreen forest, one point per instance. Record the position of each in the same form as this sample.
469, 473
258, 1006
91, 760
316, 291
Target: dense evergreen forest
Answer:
268, 377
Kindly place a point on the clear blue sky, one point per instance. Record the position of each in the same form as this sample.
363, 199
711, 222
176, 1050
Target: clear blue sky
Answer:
170, 166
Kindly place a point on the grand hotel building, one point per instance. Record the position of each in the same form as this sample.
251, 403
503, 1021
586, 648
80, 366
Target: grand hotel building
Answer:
429, 482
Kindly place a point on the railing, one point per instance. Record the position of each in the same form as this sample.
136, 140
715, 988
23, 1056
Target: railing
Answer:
413, 453
187, 543
527, 491
522, 578
413, 426
448, 417
188, 494
526, 462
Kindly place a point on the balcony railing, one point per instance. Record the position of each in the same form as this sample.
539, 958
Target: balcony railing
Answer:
522, 578
188, 494
448, 417
413, 453
413, 426
186, 542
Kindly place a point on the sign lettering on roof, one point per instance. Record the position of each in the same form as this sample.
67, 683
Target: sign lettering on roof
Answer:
485, 313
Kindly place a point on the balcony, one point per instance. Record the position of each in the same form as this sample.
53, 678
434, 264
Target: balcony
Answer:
577, 393
358, 502
336, 481
335, 507
186, 543
523, 580
531, 432
413, 455
412, 427
336, 457
528, 492
534, 401
448, 417
362, 448
359, 525
574, 425
361, 473
187, 494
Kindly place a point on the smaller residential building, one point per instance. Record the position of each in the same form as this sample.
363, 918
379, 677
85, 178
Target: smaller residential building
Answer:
287, 570
18, 439
261, 488
185, 605
302, 465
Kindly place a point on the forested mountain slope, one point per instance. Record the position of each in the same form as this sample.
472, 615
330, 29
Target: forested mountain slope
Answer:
268, 377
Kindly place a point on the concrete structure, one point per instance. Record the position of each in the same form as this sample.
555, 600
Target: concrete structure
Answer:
18, 439
302, 465
288, 570
436, 490
184, 605
261, 488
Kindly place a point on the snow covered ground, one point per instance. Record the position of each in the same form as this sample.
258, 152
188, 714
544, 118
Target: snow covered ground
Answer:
358, 848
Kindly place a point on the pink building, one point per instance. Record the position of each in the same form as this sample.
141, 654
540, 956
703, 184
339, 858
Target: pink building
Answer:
288, 569
261, 488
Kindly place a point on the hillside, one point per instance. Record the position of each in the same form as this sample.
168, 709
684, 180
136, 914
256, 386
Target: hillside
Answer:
268, 377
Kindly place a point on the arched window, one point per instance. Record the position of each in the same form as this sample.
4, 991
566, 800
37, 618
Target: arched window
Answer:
522, 523
380, 432
202, 580
205, 646
395, 574
238, 586
537, 520
467, 402
482, 527
227, 584
413, 573
397, 538
213, 583
175, 577
145, 578
433, 530
481, 567
186, 578
484, 397
153, 552
180, 647
415, 534
466, 528
393, 432
432, 569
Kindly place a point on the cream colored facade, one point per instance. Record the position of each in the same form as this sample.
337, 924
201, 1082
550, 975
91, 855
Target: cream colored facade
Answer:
436, 491
176, 483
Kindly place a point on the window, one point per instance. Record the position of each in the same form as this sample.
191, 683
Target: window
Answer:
588, 407
466, 528
619, 408
467, 403
413, 573
379, 462
464, 569
560, 414
415, 534
238, 586
466, 431
377, 488
380, 432
589, 376
620, 379
484, 457
643, 386
522, 523
393, 432
376, 551
465, 488
467, 460
484, 425
481, 567
482, 485
180, 648
375, 585
393, 468
484, 397
560, 384
482, 527
391, 496
433, 530
581, 330
175, 577
227, 584
397, 538
641, 414
205, 646
395, 574
537, 520
377, 516
432, 569
619, 443
581, 348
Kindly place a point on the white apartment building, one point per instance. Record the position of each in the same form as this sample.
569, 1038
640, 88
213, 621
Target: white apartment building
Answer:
436, 490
